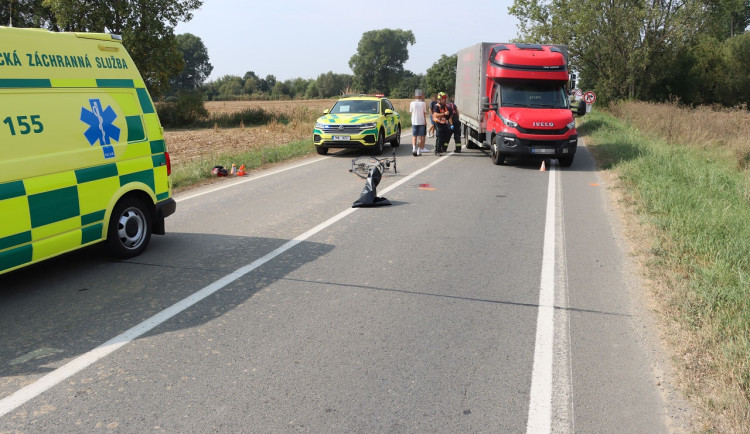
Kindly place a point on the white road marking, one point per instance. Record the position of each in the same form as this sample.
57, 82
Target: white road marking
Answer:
540, 399
251, 178
85, 360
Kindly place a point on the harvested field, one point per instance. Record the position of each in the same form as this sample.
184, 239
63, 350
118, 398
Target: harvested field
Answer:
190, 145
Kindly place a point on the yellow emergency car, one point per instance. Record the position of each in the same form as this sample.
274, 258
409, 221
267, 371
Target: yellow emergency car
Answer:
364, 122
82, 152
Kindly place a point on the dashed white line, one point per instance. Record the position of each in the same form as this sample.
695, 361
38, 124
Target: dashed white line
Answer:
83, 361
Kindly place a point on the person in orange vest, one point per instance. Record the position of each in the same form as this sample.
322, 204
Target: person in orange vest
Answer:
455, 127
442, 117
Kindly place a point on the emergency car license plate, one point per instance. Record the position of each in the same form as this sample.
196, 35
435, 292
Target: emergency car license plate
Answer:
345, 138
542, 151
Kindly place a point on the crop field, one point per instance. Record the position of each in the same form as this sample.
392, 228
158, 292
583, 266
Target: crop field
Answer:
295, 123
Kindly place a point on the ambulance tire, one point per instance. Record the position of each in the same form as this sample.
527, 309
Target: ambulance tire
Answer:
129, 228
321, 150
396, 142
380, 144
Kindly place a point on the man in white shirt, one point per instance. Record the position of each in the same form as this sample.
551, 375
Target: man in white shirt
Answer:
418, 110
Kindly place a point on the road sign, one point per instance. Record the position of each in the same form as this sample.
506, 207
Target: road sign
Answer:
579, 93
589, 97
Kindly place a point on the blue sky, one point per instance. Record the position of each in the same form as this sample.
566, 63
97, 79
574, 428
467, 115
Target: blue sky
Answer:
296, 38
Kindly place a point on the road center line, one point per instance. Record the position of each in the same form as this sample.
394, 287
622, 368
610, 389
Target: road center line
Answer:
540, 398
85, 360
252, 178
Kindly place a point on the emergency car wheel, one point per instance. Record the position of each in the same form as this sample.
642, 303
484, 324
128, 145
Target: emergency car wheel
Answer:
497, 157
129, 228
396, 142
321, 150
380, 143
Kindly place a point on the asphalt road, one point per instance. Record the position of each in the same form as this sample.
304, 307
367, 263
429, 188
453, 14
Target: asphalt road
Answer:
484, 299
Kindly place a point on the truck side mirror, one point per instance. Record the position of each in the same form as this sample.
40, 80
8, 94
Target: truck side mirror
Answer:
581, 108
486, 105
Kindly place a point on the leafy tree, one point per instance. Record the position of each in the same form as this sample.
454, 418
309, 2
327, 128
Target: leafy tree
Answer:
312, 90
280, 90
298, 87
146, 26
620, 48
441, 76
726, 18
266, 85
197, 68
251, 86
330, 84
407, 85
737, 67
229, 87
26, 13
379, 61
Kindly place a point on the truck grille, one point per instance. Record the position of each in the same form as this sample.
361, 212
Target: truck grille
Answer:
543, 132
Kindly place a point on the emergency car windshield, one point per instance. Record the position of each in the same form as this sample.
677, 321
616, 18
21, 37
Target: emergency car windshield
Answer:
355, 106
533, 95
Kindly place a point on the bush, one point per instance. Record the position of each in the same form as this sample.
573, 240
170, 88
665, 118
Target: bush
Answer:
185, 110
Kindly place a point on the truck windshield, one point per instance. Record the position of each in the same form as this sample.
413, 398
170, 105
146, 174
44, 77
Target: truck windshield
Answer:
533, 95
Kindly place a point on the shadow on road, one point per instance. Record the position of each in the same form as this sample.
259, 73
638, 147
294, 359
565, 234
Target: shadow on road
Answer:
61, 308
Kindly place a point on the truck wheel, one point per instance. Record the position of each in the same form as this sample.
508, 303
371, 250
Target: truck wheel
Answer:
497, 157
129, 228
469, 143
321, 150
397, 141
565, 161
380, 144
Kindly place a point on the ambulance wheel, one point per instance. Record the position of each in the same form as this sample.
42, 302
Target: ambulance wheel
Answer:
497, 157
129, 228
321, 150
396, 142
380, 144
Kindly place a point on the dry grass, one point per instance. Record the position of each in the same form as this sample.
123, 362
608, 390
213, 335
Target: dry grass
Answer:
692, 262
186, 146
716, 128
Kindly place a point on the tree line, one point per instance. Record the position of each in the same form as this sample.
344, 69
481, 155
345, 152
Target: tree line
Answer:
694, 51
378, 67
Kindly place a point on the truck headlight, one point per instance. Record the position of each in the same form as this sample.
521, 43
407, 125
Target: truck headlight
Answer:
572, 125
508, 122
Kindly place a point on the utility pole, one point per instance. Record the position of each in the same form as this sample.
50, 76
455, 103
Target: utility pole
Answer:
10, 14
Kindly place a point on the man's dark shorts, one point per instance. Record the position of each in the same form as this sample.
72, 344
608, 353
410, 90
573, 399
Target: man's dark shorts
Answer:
419, 130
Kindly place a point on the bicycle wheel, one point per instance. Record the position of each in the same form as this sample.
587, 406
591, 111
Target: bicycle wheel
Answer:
361, 166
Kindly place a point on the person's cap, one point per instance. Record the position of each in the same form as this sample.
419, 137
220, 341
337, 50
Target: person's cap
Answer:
442, 95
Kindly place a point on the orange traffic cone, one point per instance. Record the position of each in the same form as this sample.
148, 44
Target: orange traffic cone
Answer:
241, 171
543, 168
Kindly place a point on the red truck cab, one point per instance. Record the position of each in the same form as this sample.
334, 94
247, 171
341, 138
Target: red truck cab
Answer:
513, 101
527, 109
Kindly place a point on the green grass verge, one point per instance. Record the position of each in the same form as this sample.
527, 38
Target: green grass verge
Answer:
698, 203
199, 170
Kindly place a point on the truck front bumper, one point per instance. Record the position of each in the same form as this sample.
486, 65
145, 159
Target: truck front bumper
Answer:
510, 144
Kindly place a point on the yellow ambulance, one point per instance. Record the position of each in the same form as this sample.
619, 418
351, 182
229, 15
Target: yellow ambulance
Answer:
82, 152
